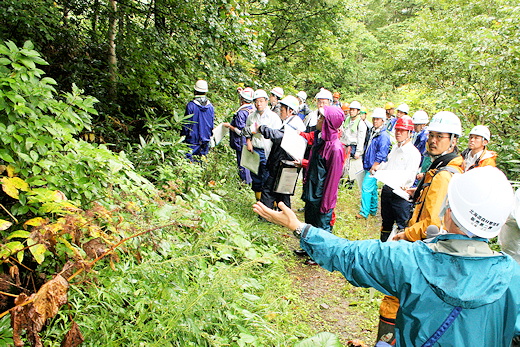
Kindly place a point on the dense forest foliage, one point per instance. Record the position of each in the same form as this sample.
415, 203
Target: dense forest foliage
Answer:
141, 58
92, 97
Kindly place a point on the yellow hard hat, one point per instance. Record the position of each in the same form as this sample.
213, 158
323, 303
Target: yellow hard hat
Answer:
389, 105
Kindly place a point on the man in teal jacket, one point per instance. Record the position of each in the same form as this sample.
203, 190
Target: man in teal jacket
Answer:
453, 289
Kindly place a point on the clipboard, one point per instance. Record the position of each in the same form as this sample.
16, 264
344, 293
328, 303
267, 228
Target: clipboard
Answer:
250, 161
286, 178
219, 132
293, 144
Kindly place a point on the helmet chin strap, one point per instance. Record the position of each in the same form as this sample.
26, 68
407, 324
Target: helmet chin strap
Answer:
402, 143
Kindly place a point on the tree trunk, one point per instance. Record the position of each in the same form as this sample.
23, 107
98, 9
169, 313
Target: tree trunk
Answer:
112, 56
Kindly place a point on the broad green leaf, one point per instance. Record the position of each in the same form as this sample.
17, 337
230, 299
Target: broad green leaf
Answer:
14, 246
5, 156
20, 234
37, 250
28, 63
11, 185
323, 339
36, 222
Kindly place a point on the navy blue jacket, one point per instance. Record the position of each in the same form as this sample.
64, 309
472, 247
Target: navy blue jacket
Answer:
198, 127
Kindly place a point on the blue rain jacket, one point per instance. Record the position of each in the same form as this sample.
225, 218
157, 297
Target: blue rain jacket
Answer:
239, 121
420, 141
429, 285
377, 150
199, 126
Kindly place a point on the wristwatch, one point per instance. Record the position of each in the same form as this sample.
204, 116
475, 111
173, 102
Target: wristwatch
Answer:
298, 231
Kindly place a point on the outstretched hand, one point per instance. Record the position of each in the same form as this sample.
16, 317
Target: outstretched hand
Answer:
286, 217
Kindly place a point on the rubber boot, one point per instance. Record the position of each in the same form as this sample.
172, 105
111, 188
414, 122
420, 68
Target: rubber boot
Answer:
258, 196
386, 331
384, 235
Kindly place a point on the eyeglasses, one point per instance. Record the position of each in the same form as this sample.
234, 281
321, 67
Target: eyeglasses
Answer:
438, 137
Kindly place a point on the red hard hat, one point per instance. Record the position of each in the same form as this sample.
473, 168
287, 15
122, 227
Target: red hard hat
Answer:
404, 123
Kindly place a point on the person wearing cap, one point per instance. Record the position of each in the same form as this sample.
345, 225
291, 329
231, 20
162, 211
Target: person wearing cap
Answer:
274, 99
444, 130
320, 185
375, 154
323, 171
454, 289
353, 135
390, 115
335, 99
277, 156
200, 118
238, 123
403, 157
402, 110
304, 109
256, 142
323, 98
477, 153
420, 137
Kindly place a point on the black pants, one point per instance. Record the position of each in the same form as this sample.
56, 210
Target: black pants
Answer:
269, 197
394, 209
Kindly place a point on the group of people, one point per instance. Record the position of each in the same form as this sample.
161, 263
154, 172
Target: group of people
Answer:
445, 286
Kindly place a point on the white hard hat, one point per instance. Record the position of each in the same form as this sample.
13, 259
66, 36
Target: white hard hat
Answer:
260, 93
247, 94
278, 92
446, 122
357, 105
201, 86
420, 117
481, 130
324, 94
379, 112
480, 201
302, 95
404, 108
291, 102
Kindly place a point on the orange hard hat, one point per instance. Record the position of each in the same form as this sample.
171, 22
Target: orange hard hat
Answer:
336, 95
345, 107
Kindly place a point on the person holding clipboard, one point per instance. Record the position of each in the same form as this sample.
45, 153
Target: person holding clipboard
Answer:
283, 174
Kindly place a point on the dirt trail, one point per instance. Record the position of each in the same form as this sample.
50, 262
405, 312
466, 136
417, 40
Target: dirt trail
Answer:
333, 305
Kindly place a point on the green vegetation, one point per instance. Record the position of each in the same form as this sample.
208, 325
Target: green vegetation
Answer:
159, 249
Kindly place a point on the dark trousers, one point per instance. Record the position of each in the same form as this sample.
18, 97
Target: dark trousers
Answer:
394, 209
269, 197
314, 217
197, 149
243, 173
260, 179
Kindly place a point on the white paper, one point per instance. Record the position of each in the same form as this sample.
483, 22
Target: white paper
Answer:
287, 181
356, 172
250, 161
293, 143
219, 132
395, 179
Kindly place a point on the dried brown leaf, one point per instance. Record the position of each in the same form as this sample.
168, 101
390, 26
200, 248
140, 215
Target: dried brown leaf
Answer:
15, 274
95, 248
32, 312
73, 338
